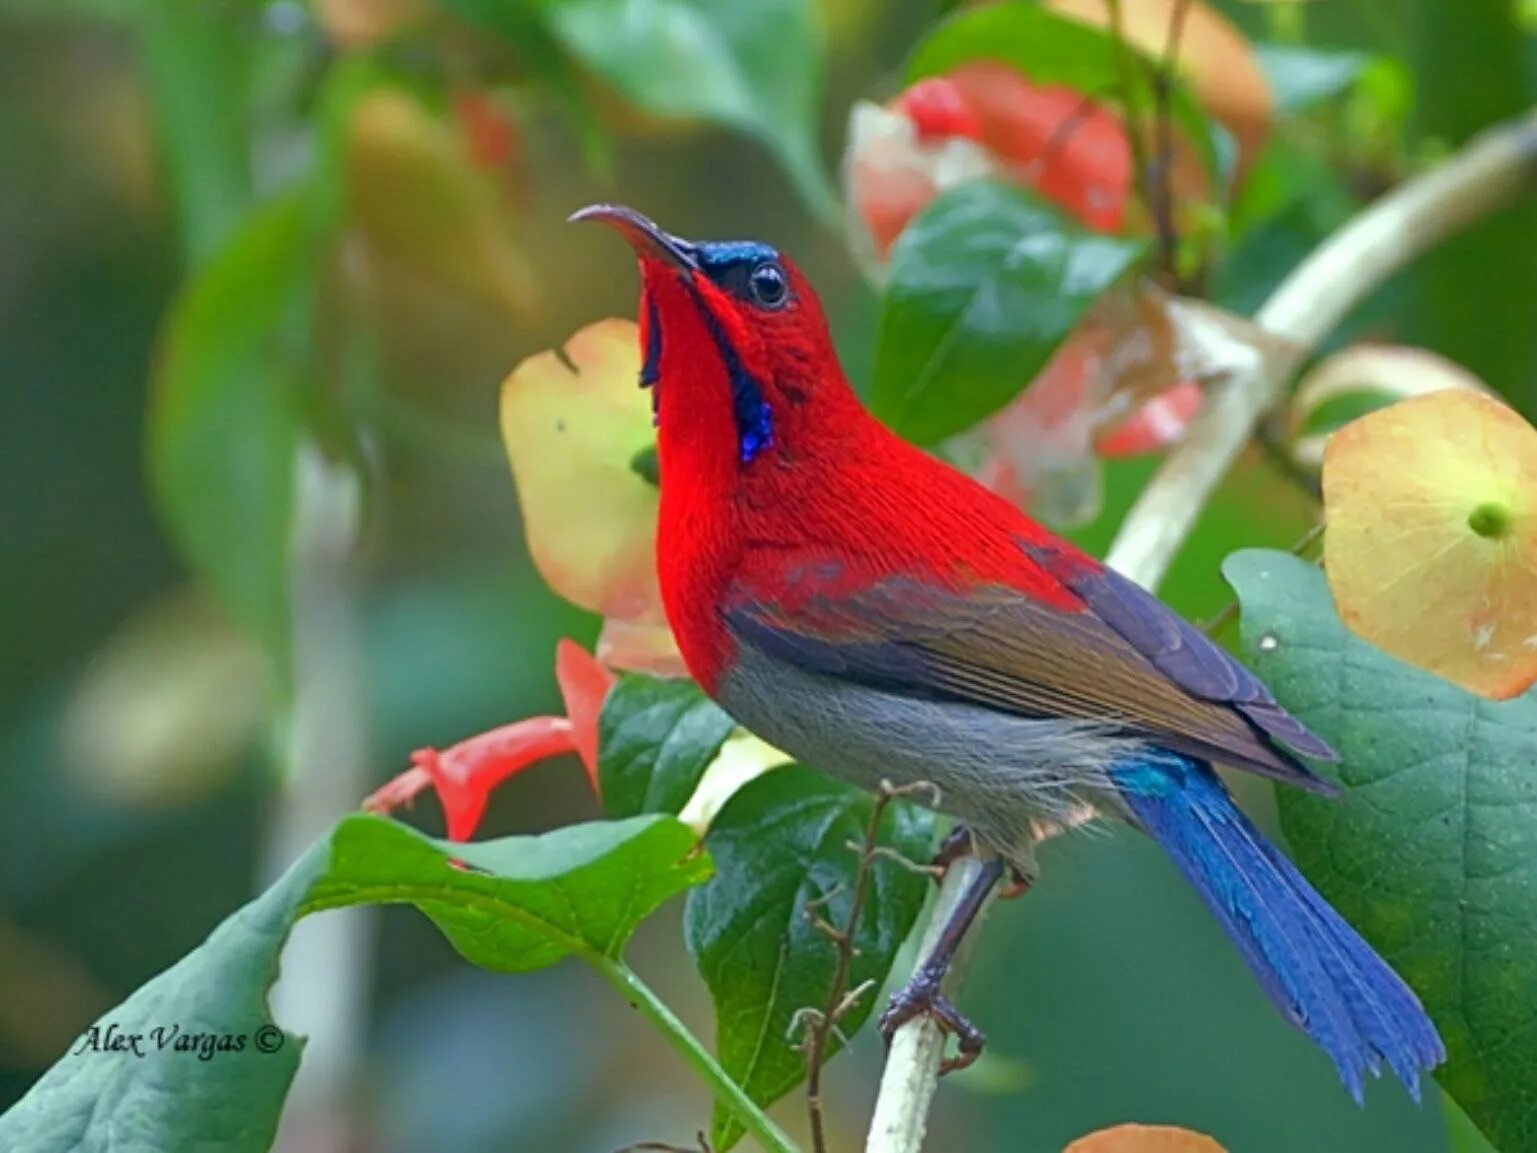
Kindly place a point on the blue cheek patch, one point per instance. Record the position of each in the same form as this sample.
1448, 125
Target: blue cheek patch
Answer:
754, 423
753, 417
651, 370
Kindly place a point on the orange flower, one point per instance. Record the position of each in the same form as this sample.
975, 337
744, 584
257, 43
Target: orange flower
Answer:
464, 774
982, 119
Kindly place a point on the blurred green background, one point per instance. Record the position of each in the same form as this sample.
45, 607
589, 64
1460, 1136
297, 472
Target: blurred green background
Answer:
145, 787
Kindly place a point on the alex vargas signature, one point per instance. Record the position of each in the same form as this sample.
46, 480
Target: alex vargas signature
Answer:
173, 1039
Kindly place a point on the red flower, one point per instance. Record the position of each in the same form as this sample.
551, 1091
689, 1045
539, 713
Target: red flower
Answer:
983, 119
465, 773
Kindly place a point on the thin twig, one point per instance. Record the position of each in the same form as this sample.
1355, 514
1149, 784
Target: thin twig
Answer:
820, 1024
1161, 179
1487, 174
1131, 113
1062, 134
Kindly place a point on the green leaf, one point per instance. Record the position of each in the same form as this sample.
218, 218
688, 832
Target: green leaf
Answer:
1462, 1135
781, 841
985, 285
656, 738
1432, 850
1050, 49
519, 903
98, 1101
511, 905
223, 421
197, 61
754, 67
1302, 77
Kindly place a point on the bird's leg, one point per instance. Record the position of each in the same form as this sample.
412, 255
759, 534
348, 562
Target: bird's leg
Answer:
923, 994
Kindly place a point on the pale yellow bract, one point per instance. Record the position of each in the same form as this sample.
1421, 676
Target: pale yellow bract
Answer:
1430, 541
572, 436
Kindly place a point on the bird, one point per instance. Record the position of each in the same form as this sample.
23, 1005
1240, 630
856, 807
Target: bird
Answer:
879, 615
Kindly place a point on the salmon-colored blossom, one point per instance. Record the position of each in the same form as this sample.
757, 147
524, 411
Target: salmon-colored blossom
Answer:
464, 774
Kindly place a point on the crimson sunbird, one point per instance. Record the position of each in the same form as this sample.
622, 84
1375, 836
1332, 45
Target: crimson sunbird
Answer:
881, 616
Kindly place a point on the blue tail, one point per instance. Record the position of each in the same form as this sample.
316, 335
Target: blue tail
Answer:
1314, 966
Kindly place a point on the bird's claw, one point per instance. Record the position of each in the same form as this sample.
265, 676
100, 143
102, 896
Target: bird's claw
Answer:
1017, 885
922, 997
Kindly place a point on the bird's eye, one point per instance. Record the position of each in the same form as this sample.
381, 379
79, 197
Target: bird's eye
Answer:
768, 285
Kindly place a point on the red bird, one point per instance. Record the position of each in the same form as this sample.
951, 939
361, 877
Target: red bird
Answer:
877, 614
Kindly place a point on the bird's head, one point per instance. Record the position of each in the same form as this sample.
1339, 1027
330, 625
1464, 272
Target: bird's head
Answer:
734, 343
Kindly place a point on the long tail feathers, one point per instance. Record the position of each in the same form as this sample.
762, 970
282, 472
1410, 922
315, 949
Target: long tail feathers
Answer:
1315, 967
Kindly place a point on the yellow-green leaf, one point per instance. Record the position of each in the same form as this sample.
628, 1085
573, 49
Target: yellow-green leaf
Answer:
1430, 508
573, 427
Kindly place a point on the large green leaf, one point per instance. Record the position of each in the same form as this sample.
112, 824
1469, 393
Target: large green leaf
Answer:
96, 1100
985, 285
1432, 850
781, 841
655, 739
754, 67
519, 903
223, 422
512, 905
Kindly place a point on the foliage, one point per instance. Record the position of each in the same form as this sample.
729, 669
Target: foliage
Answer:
1431, 546
755, 67
224, 425
985, 285
786, 849
657, 739
513, 905
1058, 208
1429, 849
573, 422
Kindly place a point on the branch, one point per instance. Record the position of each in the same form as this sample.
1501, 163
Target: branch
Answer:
1486, 175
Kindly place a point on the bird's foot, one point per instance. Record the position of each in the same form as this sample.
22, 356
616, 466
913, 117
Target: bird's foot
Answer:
1017, 885
923, 997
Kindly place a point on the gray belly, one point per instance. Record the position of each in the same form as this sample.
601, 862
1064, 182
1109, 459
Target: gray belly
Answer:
1011, 779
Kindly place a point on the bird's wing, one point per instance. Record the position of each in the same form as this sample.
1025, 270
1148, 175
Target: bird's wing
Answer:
1183, 653
997, 648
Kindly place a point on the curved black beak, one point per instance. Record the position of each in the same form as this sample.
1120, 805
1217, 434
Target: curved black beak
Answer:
644, 236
